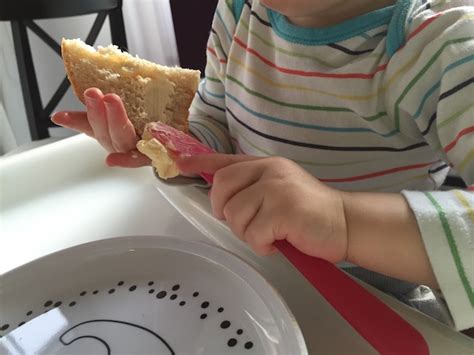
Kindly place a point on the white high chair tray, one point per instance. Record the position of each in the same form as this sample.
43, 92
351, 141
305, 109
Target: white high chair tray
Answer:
62, 195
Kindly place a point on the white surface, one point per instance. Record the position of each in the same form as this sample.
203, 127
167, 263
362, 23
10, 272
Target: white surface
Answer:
62, 195
140, 282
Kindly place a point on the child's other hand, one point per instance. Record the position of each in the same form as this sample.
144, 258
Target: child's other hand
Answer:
106, 120
268, 199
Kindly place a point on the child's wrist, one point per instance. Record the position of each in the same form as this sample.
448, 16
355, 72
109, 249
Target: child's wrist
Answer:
346, 203
336, 211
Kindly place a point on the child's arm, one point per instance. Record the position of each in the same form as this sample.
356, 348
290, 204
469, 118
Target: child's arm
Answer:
383, 236
208, 121
375, 230
268, 199
435, 101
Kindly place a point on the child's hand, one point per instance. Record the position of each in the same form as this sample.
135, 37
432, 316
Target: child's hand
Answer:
269, 199
106, 120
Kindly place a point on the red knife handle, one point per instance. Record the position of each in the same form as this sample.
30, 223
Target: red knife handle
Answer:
379, 325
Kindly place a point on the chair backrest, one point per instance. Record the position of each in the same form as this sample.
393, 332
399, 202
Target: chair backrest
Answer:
192, 21
21, 14
47, 9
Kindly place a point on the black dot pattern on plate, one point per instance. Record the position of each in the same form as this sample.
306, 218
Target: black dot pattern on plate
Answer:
232, 342
225, 324
161, 294
5, 327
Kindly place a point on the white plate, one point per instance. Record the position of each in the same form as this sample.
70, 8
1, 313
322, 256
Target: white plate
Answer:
143, 295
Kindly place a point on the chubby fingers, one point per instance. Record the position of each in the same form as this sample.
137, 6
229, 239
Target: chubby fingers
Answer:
246, 216
97, 117
241, 209
237, 196
210, 163
121, 130
75, 120
259, 234
231, 180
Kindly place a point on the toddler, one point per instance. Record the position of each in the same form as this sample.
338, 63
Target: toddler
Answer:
338, 122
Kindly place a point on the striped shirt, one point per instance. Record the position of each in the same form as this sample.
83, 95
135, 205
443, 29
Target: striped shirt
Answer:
380, 102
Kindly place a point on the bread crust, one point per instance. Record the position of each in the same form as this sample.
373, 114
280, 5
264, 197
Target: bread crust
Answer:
70, 73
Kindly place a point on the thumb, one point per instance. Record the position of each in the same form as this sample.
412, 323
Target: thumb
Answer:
209, 163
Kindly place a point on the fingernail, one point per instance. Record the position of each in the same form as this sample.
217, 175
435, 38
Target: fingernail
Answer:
59, 116
90, 101
53, 117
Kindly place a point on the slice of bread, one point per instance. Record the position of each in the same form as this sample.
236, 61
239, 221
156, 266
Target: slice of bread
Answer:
150, 92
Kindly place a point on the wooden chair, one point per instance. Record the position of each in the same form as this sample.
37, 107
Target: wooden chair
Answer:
21, 14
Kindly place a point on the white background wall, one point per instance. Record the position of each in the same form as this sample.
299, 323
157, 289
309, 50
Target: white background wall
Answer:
150, 35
